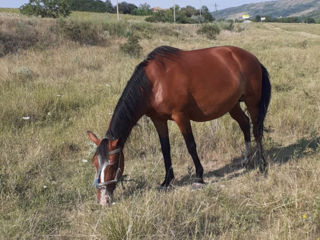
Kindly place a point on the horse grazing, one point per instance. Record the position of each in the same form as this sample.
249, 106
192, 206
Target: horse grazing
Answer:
172, 84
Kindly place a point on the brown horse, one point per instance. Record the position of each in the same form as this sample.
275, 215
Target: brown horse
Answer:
198, 85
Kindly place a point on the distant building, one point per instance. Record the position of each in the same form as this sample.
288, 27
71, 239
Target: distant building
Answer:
245, 16
156, 9
263, 19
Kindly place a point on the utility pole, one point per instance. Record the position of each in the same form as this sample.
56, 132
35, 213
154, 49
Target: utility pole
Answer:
200, 8
174, 12
118, 17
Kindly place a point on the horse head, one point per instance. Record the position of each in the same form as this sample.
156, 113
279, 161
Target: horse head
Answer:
109, 162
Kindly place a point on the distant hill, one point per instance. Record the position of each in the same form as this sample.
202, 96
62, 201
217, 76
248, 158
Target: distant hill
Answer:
279, 8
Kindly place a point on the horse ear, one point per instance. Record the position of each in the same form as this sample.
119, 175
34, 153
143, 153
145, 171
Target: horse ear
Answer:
93, 137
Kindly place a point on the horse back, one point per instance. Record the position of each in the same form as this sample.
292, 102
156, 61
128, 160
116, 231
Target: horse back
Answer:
201, 84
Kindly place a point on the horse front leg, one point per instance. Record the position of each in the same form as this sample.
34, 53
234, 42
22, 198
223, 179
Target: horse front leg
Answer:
186, 130
162, 129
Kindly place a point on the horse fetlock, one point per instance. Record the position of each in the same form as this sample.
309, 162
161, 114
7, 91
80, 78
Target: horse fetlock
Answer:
263, 167
199, 180
167, 182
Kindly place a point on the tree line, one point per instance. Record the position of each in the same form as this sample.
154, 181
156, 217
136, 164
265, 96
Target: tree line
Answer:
186, 14
56, 8
286, 19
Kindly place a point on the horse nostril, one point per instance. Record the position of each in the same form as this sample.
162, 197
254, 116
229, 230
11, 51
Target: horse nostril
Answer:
105, 198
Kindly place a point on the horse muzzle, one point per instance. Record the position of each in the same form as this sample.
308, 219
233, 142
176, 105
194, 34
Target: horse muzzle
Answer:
106, 197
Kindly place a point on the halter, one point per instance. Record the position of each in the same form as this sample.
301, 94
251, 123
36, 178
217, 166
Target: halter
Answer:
107, 163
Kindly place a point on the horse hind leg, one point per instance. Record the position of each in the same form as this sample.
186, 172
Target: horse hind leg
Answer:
243, 120
258, 107
258, 134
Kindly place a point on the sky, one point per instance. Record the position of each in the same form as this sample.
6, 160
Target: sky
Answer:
221, 4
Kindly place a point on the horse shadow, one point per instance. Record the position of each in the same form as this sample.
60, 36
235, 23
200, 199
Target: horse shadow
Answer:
275, 155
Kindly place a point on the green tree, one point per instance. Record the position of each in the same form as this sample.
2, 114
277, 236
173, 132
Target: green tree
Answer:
126, 8
309, 20
143, 10
258, 18
47, 8
161, 16
206, 14
109, 7
189, 11
183, 15
88, 5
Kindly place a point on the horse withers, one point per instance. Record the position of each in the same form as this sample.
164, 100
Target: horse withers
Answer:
172, 84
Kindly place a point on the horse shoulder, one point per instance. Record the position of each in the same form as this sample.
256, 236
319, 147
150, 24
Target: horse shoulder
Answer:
169, 88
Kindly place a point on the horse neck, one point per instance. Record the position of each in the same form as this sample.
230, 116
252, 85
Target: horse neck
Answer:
121, 124
131, 106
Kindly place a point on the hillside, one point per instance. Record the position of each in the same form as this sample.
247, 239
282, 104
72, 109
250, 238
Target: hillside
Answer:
280, 8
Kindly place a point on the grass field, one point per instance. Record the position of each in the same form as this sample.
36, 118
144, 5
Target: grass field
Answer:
54, 89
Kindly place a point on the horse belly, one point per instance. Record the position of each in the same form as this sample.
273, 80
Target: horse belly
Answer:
212, 99
211, 109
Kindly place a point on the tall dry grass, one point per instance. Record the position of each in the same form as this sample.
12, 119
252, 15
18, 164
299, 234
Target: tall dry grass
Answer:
45, 171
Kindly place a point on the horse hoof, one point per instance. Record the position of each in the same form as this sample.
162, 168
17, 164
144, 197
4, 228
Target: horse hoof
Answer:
263, 169
244, 162
162, 188
196, 186
165, 186
249, 166
199, 180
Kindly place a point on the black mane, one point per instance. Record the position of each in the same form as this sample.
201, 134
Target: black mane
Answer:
163, 51
134, 99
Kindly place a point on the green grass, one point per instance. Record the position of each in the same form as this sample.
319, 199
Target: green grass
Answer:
67, 88
103, 17
9, 10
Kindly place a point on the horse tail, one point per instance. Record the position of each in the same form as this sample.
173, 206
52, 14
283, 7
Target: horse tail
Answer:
265, 98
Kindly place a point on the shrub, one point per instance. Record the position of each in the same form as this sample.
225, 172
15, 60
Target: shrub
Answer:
118, 29
206, 14
46, 8
227, 25
82, 32
161, 16
132, 46
89, 5
309, 20
22, 35
24, 75
143, 10
209, 30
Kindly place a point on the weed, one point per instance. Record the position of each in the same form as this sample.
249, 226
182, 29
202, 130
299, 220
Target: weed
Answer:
209, 30
132, 46
118, 29
24, 74
82, 32
24, 37
226, 25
